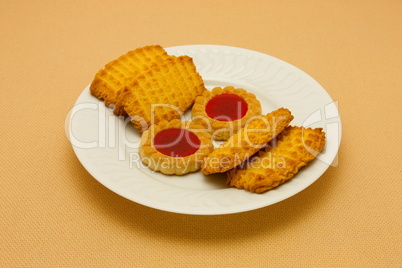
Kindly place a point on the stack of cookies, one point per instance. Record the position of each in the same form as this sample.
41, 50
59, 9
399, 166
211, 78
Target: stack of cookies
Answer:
148, 85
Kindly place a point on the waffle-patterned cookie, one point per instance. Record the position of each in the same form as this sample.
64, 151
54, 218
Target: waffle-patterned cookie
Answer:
115, 75
247, 141
162, 92
276, 164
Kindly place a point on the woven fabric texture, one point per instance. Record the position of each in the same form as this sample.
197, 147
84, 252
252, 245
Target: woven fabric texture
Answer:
54, 214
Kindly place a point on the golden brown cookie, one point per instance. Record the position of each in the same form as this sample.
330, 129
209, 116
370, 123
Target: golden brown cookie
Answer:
175, 147
276, 164
247, 141
115, 75
163, 92
225, 110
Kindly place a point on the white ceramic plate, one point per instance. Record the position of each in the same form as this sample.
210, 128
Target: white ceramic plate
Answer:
107, 146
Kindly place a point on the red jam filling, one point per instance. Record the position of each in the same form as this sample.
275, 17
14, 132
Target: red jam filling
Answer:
226, 107
176, 142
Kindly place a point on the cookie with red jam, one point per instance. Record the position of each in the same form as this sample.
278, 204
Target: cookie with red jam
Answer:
223, 111
175, 147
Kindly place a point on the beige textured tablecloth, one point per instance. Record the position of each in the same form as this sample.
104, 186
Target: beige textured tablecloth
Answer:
54, 214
